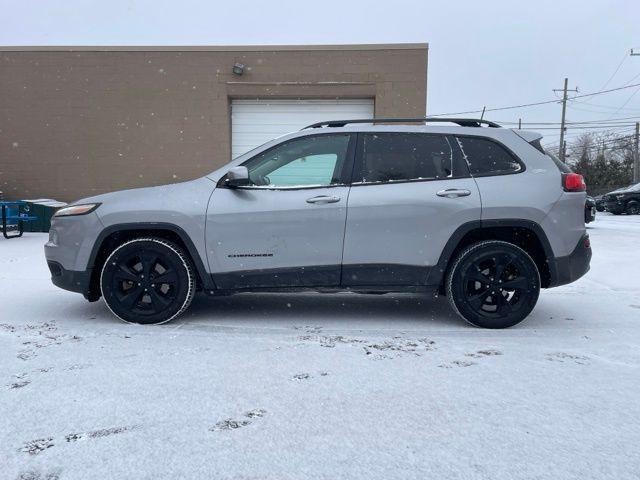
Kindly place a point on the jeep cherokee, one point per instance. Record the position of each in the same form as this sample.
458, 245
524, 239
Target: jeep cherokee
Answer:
463, 207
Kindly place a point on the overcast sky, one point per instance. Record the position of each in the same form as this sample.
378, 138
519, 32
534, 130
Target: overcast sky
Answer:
493, 53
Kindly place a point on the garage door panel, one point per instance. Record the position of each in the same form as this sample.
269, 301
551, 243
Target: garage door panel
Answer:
254, 122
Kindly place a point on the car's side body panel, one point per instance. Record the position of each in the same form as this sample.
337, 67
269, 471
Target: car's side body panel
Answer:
535, 195
250, 230
405, 225
182, 205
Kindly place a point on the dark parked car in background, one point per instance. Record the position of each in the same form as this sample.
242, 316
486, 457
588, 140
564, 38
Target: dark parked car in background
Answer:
589, 210
626, 200
599, 203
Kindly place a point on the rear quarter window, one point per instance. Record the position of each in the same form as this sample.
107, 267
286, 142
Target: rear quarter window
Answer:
563, 167
487, 157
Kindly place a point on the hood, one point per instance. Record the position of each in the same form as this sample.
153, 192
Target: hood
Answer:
158, 193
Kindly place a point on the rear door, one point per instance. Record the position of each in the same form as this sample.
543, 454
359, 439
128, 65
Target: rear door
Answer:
287, 228
410, 192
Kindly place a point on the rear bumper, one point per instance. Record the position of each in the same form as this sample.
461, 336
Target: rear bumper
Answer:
589, 214
568, 269
71, 280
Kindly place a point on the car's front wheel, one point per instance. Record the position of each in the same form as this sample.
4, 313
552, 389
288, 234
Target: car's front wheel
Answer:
493, 284
148, 281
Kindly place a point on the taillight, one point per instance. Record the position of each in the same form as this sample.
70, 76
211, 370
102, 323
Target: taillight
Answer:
573, 182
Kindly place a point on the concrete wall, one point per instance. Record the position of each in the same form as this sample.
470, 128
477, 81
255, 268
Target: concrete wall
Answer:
78, 121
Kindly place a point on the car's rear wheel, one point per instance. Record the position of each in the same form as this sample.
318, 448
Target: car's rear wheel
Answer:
633, 208
493, 284
148, 281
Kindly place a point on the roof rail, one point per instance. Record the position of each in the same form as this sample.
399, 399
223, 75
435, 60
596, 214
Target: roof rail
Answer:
463, 122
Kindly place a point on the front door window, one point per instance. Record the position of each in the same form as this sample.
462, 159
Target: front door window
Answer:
303, 162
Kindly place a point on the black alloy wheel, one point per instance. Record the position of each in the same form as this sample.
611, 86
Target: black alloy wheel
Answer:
147, 281
633, 208
493, 284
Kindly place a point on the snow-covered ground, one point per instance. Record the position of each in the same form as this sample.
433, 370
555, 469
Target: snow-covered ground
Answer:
323, 386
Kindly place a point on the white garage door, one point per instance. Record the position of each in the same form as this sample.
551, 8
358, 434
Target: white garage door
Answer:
254, 122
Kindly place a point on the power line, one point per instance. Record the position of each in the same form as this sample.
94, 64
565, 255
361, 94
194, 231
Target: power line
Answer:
624, 58
636, 76
619, 132
609, 141
604, 131
546, 102
615, 142
599, 105
599, 146
601, 112
630, 96
614, 121
625, 103
587, 127
577, 133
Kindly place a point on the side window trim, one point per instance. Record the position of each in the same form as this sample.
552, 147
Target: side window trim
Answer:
458, 162
344, 176
523, 167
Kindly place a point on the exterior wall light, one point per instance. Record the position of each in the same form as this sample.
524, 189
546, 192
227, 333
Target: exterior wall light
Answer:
238, 68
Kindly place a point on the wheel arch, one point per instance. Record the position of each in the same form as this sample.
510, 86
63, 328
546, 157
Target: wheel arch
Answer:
115, 235
526, 234
631, 201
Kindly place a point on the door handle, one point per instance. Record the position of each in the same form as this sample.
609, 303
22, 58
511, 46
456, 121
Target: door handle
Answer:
453, 193
323, 199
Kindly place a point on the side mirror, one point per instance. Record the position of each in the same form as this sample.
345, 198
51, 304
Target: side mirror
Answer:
237, 177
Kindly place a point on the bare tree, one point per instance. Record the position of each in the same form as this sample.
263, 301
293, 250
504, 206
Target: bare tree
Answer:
605, 160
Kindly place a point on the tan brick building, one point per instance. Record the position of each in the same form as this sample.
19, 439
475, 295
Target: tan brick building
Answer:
77, 121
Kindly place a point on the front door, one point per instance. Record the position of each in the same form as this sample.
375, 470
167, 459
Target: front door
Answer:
287, 228
410, 192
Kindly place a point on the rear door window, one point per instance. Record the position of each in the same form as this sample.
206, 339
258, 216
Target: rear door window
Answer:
487, 157
397, 157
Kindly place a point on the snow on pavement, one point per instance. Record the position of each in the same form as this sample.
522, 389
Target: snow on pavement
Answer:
275, 386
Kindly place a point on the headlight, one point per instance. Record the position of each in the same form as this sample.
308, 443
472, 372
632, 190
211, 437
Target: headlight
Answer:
76, 210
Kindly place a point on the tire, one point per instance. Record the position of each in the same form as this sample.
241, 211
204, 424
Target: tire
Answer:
633, 208
473, 284
147, 281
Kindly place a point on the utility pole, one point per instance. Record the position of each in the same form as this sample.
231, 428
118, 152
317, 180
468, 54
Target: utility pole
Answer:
564, 112
636, 156
636, 153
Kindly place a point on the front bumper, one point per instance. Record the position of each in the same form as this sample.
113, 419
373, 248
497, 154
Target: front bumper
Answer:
74, 281
568, 269
68, 251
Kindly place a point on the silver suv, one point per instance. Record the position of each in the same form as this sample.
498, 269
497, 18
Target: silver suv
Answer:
474, 211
